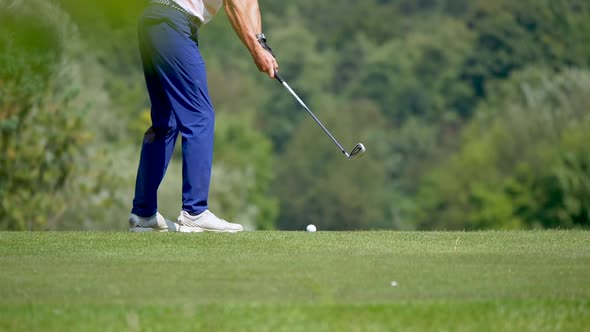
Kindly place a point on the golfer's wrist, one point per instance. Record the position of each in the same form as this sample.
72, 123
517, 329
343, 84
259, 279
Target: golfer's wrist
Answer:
252, 44
259, 52
260, 37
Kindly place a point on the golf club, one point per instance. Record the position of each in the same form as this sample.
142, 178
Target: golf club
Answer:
358, 149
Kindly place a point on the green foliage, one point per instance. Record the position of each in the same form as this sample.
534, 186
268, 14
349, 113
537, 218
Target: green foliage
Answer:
56, 171
524, 166
39, 127
512, 35
419, 75
242, 174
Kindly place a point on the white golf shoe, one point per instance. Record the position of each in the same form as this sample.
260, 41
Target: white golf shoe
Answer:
155, 223
205, 222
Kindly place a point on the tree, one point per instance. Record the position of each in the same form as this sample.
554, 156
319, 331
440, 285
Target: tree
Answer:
415, 76
243, 173
512, 35
521, 165
40, 130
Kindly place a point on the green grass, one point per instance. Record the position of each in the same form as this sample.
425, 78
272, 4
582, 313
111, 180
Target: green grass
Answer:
296, 281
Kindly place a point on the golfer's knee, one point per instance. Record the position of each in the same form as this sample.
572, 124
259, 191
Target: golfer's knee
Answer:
154, 134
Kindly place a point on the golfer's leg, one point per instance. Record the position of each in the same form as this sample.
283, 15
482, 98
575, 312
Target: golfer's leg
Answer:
156, 152
181, 70
197, 130
160, 138
196, 123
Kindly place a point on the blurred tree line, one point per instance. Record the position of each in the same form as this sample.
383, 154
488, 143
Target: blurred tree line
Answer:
475, 115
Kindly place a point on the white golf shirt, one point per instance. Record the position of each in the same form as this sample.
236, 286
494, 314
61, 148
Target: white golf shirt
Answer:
203, 9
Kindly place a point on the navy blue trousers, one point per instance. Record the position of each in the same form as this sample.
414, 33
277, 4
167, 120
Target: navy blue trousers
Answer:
177, 85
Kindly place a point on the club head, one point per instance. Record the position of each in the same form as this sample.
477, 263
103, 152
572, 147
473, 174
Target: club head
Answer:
357, 151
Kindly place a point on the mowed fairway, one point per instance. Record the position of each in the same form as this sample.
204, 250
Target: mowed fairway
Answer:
296, 281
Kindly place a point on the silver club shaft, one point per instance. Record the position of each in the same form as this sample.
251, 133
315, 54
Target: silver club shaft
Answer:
315, 118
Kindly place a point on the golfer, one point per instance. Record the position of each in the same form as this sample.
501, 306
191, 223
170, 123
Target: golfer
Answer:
177, 85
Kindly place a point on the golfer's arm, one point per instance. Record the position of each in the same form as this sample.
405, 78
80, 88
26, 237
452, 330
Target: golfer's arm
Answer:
244, 16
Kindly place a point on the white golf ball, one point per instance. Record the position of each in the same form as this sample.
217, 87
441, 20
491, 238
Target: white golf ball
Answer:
311, 228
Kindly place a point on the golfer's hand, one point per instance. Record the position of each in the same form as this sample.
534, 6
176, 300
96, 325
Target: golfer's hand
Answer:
265, 62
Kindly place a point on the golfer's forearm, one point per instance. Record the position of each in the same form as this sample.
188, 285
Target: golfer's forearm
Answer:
255, 18
244, 16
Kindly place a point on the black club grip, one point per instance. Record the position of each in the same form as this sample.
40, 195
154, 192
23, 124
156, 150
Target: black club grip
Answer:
278, 77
